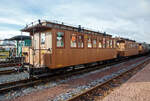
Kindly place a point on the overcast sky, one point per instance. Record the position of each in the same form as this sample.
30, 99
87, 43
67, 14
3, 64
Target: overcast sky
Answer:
125, 18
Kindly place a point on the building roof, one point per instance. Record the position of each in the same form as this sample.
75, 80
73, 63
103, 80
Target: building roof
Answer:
20, 37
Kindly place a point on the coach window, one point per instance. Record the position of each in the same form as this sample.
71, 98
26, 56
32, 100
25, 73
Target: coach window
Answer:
137, 45
43, 38
129, 45
100, 43
107, 43
94, 43
114, 43
73, 40
60, 39
133, 45
118, 44
89, 42
104, 43
111, 46
80, 41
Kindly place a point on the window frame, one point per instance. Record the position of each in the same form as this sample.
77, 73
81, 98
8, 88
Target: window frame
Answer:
91, 42
114, 43
111, 43
56, 39
103, 42
94, 37
100, 39
41, 38
107, 40
76, 40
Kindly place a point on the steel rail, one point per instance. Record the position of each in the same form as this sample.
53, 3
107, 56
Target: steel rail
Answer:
35, 80
75, 98
9, 64
5, 87
4, 72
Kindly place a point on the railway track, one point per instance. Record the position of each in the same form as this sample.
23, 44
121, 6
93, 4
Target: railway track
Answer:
101, 90
14, 85
10, 62
17, 84
32, 81
49, 77
2, 65
4, 72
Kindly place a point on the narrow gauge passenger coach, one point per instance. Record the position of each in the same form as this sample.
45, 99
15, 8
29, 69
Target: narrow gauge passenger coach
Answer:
57, 45
126, 47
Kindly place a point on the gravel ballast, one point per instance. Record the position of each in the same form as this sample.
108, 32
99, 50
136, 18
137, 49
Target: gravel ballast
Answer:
64, 89
13, 77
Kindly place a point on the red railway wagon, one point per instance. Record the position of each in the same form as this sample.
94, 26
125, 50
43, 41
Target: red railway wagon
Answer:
56, 45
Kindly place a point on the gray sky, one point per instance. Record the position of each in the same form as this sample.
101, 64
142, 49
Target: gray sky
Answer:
125, 18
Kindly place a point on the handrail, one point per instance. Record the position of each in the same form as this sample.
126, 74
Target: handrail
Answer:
59, 22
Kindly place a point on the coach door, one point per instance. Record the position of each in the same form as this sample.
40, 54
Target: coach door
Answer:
48, 55
36, 50
46, 49
42, 49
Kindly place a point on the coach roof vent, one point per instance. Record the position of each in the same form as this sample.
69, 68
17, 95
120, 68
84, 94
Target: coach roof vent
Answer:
104, 33
39, 22
79, 28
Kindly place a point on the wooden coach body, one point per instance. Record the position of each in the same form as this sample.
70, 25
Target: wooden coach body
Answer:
127, 47
57, 45
143, 48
